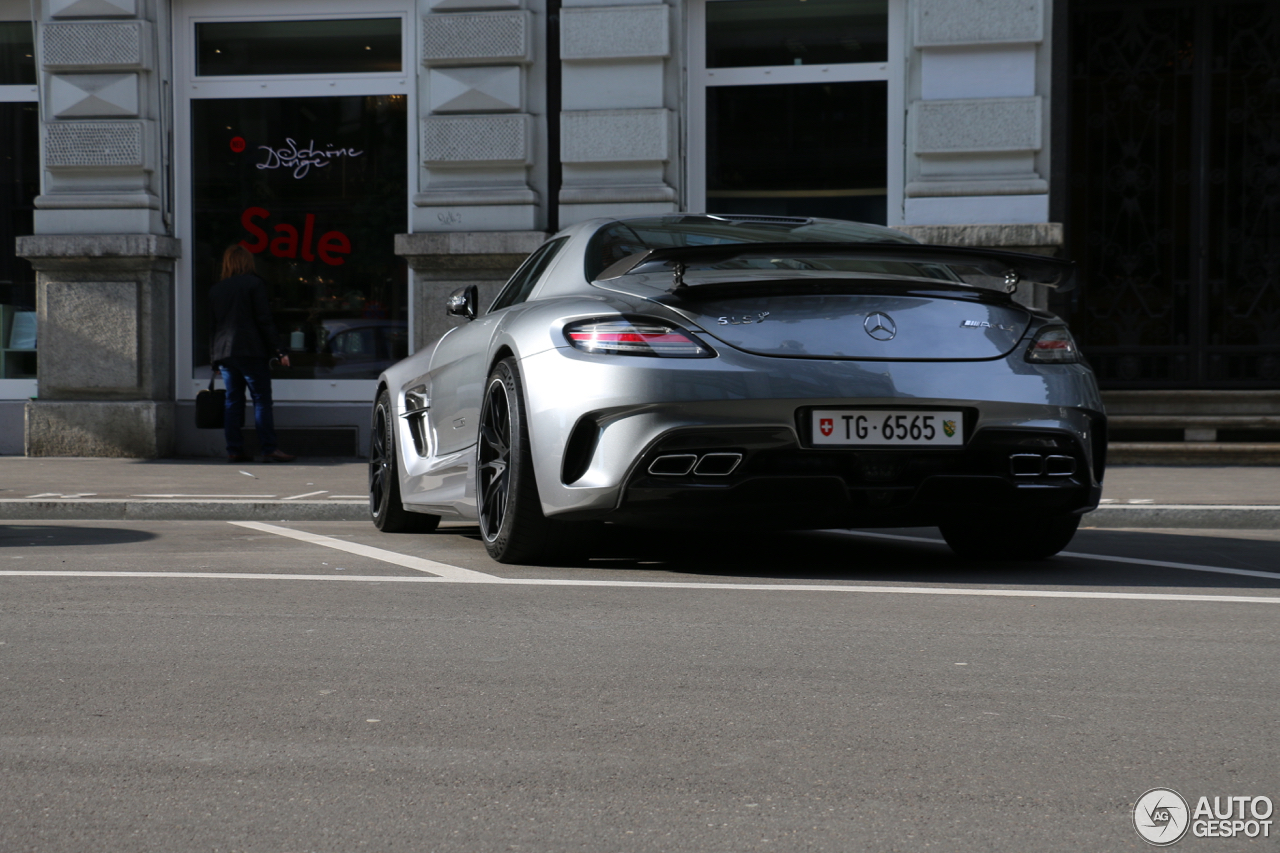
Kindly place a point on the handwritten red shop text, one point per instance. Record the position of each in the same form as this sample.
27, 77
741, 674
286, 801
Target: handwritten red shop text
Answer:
330, 248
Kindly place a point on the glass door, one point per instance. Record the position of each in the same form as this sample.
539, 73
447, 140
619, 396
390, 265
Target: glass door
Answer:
298, 138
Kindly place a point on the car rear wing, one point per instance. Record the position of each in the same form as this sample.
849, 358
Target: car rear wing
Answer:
1012, 267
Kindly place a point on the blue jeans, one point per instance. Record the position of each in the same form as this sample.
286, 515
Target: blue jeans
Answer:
256, 374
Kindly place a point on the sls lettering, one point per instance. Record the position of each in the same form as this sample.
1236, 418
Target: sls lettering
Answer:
330, 248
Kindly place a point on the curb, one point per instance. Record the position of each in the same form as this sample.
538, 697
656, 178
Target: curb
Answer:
1145, 516
225, 510
1174, 515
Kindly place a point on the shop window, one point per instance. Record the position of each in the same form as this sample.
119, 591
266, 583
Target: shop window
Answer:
809, 149
17, 59
789, 103
349, 46
315, 188
19, 185
796, 32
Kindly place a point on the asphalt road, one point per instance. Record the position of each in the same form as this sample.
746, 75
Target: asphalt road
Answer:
208, 686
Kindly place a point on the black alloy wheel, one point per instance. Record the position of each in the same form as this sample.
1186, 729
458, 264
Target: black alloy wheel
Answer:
512, 524
385, 507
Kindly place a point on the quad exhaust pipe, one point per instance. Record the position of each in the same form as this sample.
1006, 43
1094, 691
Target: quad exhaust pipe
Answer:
1037, 465
700, 465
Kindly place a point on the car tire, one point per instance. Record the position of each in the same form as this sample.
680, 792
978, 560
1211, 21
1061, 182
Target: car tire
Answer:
385, 507
1010, 538
512, 525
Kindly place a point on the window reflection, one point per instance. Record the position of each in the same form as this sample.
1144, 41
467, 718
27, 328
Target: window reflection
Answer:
298, 47
315, 188
743, 33
813, 149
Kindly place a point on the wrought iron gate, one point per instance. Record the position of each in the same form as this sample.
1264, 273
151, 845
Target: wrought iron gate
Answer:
1173, 191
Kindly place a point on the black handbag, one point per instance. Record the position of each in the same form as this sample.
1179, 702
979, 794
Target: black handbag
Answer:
211, 406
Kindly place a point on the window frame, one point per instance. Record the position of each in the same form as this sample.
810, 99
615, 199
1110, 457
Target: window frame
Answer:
699, 78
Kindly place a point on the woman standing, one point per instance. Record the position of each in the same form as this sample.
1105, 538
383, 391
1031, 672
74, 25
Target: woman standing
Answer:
244, 342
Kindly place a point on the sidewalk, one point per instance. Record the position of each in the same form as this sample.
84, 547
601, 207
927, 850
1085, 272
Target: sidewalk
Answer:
52, 489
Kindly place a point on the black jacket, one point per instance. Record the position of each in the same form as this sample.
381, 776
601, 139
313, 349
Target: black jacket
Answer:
241, 319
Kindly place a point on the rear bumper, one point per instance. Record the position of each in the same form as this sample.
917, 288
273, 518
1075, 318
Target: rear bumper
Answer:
597, 425
779, 484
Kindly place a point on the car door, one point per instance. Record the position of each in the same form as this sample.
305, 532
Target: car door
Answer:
460, 363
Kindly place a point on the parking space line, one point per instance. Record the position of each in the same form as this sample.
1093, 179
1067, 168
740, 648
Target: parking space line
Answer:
453, 573
1134, 561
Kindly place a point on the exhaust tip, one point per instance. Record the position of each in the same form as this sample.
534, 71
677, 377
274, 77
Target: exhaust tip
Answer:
673, 465
1026, 464
717, 464
1060, 466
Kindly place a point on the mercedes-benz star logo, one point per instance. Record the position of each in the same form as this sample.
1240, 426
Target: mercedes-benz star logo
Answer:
880, 326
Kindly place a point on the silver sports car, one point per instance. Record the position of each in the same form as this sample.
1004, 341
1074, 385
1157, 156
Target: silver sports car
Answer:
739, 371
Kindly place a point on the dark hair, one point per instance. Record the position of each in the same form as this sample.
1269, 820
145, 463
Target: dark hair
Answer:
236, 260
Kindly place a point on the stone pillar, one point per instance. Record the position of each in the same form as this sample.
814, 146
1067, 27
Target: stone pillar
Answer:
483, 119
104, 261
617, 131
977, 123
444, 262
105, 371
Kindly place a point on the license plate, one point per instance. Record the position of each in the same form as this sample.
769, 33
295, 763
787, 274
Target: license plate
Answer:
888, 427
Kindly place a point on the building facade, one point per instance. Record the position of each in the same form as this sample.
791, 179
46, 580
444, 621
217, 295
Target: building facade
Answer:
375, 156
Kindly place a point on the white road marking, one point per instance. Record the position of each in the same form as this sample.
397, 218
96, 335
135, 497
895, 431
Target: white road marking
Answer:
1135, 561
453, 573
444, 573
307, 495
202, 496
682, 585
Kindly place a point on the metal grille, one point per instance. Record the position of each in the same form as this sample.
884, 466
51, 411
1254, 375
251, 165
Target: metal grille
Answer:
93, 143
1174, 191
99, 44
492, 35
475, 139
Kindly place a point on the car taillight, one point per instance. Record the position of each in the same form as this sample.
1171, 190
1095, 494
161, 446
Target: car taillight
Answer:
634, 337
1053, 345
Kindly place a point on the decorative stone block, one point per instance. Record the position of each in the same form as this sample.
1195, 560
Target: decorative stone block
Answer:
92, 8
132, 429
98, 321
977, 125
85, 95
615, 136
101, 45
478, 139
476, 90
94, 144
954, 22
483, 37
620, 32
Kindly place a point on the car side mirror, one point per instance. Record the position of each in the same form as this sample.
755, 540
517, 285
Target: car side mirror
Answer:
462, 302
